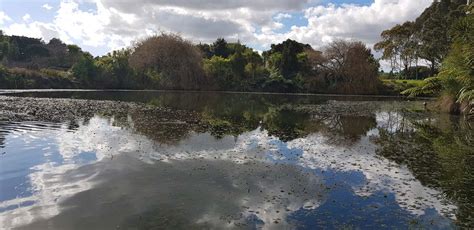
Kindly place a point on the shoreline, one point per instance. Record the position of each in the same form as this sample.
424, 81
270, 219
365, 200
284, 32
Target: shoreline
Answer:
26, 108
11, 92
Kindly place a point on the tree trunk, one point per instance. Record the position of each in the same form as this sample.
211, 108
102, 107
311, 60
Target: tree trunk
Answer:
432, 68
416, 68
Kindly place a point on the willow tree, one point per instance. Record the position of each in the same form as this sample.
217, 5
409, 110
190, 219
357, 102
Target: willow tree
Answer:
170, 60
354, 67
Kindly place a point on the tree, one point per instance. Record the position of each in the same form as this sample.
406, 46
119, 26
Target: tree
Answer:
219, 48
116, 71
399, 45
205, 50
220, 71
169, 59
73, 49
58, 54
432, 28
284, 57
254, 68
4, 46
455, 82
352, 67
426, 38
238, 64
85, 70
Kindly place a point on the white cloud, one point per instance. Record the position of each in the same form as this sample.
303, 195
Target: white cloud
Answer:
47, 6
4, 18
265, 5
115, 24
26, 17
350, 21
33, 29
281, 16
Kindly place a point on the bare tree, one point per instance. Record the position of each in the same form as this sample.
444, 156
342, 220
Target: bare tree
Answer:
177, 62
352, 67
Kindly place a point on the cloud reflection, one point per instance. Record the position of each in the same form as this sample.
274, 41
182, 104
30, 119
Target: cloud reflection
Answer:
254, 180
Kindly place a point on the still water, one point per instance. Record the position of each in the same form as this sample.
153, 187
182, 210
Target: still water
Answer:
261, 162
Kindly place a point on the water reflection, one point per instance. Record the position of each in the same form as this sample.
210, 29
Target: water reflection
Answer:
440, 154
252, 167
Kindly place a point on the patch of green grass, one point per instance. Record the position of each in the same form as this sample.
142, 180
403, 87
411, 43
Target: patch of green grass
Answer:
404, 82
401, 85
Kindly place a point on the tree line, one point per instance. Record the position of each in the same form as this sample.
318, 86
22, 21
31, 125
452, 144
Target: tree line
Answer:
437, 46
412, 45
167, 61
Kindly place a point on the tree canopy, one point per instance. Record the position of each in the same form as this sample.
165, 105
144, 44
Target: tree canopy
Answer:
167, 61
455, 81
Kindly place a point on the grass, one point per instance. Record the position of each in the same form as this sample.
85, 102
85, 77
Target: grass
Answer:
403, 82
46, 73
401, 85
22, 78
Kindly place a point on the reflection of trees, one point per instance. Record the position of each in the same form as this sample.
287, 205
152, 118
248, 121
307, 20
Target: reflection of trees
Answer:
346, 127
165, 128
234, 114
440, 154
286, 124
225, 114
3, 133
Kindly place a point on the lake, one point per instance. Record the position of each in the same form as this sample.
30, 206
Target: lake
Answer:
245, 161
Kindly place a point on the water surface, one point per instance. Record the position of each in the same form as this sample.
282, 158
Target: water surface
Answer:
262, 162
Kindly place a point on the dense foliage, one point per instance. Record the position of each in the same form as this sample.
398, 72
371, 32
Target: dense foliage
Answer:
455, 81
167, 61
425, 41
437, 46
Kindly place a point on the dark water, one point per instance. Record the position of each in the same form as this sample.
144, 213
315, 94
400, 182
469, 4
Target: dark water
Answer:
263, 162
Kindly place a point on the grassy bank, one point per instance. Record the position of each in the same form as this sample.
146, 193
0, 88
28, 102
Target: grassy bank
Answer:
395, 87
22, 78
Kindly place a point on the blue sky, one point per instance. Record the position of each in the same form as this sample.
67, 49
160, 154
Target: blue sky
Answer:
100, 26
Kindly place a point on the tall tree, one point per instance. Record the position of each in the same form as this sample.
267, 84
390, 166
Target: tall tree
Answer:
399, 45
219, 48
455, 82
432, 28
284, 57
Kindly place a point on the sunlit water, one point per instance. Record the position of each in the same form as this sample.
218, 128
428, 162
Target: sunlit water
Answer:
281, 169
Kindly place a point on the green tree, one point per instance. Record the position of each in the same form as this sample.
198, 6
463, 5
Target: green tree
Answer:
205, 50
455, 82
85, 71
255, 68
432, 28
284, 57
116, 71
238, 63
219, 48
399, 46
4, 46
220, 71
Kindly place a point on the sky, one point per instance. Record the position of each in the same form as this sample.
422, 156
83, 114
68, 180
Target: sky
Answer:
100, 26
